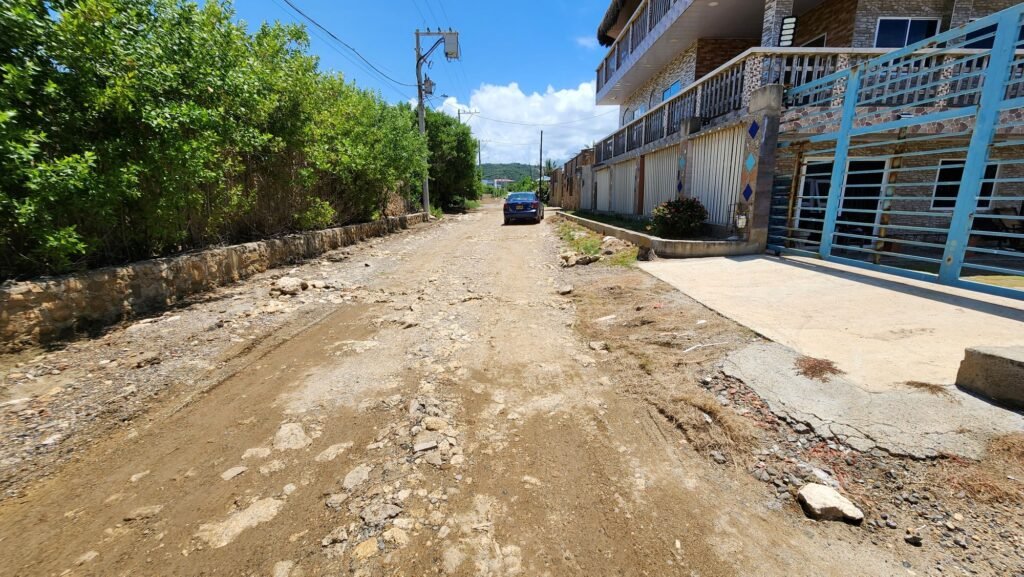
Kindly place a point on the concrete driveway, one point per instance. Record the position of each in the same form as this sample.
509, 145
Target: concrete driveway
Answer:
880, 329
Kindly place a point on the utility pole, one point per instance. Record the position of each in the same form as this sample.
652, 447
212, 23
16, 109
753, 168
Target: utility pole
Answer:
468, 113
450, 39
540, 167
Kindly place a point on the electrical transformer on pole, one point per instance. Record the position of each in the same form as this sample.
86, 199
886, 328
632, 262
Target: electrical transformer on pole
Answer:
425, 87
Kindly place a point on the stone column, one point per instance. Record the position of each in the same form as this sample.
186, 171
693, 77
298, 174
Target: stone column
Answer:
758, 170
963, 10
774, 12
839, 88
753, 76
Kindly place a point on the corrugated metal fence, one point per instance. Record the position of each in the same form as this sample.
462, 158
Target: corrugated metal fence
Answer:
661, 176
604, 186
623, 199
716, 161
587, 188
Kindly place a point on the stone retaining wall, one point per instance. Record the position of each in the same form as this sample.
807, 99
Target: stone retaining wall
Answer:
44, 310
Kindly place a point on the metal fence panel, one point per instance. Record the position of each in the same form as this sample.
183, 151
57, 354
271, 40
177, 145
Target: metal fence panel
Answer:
913, 162
603, 178
716, 161
623, 194
661, 176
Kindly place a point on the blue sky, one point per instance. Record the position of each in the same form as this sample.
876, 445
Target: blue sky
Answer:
530, 62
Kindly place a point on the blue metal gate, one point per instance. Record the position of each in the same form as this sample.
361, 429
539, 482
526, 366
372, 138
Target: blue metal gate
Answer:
912, 162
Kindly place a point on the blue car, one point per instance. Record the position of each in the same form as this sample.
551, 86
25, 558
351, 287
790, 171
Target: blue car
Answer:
523, 206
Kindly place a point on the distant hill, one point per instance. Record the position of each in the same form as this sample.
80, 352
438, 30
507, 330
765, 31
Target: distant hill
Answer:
512, 171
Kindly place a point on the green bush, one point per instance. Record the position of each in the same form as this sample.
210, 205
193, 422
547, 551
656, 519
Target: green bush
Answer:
319, 214
137, 128
680, 218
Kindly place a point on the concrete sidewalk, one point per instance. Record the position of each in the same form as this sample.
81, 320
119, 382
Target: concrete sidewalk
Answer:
880, 329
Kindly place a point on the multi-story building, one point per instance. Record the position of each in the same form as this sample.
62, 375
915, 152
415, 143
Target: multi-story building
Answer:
711, 106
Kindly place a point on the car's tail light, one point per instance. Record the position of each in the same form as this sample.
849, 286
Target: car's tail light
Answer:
506, 207
534, 204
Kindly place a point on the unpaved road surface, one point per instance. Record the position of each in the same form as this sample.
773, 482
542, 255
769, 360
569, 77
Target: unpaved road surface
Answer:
450, 421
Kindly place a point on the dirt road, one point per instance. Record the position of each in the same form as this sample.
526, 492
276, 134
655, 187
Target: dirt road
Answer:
453, 421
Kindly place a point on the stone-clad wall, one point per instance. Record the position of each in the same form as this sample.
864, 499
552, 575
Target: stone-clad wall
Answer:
869, 11
683, 67
48, 309
854, 22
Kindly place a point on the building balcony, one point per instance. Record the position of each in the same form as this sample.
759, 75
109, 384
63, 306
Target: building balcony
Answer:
937, 81
659, 30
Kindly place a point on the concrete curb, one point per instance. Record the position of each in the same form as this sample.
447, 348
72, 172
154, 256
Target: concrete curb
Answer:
49, 309
666, 248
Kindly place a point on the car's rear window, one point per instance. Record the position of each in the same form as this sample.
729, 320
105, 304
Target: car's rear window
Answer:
522, 197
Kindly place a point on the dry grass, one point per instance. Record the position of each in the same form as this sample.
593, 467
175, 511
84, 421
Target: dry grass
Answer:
998, 477
705, 423
817, 369
652, 327
930, 388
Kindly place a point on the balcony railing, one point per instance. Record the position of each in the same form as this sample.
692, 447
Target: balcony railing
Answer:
727, 89
644, 19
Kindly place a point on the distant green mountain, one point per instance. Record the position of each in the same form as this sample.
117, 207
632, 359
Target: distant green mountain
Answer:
512, 171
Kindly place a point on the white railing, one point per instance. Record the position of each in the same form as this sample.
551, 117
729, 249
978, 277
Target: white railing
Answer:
647, 15
727, 89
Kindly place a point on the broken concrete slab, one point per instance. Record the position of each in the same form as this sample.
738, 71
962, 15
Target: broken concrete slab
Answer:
904, 421
996, 373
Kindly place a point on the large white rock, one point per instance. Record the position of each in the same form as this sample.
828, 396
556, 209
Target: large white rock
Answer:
356, 477
291, 436
290, 285
217, 535
826, 504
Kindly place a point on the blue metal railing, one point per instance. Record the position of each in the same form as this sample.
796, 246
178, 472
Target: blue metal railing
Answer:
913, 162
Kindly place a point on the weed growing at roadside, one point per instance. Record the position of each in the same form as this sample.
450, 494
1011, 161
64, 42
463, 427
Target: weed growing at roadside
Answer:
579, 239
622, 258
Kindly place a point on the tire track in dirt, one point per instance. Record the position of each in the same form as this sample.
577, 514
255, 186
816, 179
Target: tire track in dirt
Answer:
456, 426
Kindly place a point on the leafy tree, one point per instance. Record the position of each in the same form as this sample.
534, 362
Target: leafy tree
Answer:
134, 128
524, 184
453, 172
511, 171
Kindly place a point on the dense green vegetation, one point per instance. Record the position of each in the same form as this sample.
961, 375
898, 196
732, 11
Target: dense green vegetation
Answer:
511, 171
679, 218
135, 128
454, 179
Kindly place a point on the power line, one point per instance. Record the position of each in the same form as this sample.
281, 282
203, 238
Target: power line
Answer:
345, 44
443, 11
509, 143
345, 55
422, 16
545, 124
432, 15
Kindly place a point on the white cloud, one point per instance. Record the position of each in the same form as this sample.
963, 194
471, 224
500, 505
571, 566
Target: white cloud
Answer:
569, 118
588, 42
